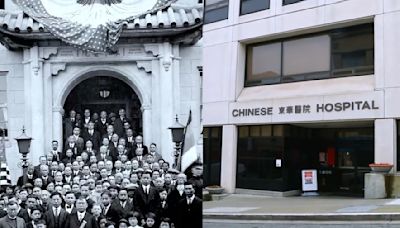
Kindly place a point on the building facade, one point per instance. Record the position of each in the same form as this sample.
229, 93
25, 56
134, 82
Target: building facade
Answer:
294, 85
156, 64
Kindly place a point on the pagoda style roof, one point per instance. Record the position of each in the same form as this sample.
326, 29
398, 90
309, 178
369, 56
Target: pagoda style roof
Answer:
17, 29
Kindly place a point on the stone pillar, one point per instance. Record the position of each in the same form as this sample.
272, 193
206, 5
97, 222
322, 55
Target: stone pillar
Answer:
229, 158
146, 117
37, 104
385, 141
167, 112
58, 112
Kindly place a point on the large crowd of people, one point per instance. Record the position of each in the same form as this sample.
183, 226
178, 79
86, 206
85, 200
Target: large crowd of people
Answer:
104, 176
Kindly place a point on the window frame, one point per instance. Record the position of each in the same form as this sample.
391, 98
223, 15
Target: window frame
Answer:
290, 3
330, 33
241, 7
220, 19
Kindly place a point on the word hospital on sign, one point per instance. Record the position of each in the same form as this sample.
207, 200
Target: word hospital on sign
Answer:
306, 108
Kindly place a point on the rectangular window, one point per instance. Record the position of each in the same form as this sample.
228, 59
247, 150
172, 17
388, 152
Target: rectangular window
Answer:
2, 4
251, 6
216, 10
265, 67
306, 58
287, 2
212, 146
353, 51
336, 53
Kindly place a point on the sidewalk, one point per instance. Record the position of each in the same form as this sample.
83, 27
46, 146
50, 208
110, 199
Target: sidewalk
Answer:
317, 208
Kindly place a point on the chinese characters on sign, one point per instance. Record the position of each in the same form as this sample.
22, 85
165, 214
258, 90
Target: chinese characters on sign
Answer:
306, 108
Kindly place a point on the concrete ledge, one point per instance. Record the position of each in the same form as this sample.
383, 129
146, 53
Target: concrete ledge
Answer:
306, 217
268, 193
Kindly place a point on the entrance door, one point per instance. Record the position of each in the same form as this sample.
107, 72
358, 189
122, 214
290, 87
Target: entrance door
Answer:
103, 93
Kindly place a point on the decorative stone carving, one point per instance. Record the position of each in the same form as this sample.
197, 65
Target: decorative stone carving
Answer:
154, 49
46, 53
145, 107
58, 109
57, 67
145, 65
167, 62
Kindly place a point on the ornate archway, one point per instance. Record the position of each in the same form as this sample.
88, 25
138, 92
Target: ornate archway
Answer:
104, 93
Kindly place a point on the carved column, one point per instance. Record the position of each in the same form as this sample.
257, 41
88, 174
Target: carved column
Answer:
37, 104
58, 112
167, 100
146, 117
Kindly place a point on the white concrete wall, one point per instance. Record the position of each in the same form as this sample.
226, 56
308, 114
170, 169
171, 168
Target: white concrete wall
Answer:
224, 62
11, 62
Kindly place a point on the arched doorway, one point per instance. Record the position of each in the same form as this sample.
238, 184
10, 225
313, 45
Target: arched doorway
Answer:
106, 93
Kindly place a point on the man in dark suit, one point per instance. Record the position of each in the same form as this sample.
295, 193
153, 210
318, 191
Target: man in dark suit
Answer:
56, 216
139, 144
70, 202
109, 133
119, 123
109, 210
102, 123
146, 197
44, 175
29, 176
81, 217
122, 204
103, 156
92, 135
12, 220
73, 146
42, 161
54, 151
69, 124
189, 210
86, 119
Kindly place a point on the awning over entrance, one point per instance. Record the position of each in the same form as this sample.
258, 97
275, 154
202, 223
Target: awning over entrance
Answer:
45, 20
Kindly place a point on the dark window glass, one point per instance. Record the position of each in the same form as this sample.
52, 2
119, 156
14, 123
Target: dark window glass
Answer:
353, 51
212, 145
336, 53
2, 4
306, 58
216, 10
287, 2
258, 149
271, 157
264, 64
251, 6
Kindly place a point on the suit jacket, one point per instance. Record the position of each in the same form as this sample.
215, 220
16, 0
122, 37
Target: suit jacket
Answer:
102, 128
73, 222
95, 138
23, 213
145, 149
6, 222
99, 158
123, 212
76, 149
21, 180
146, 203
113, 214
69, 126
119, 126
189, 215
51, 220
